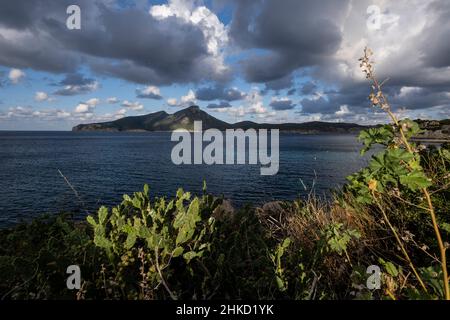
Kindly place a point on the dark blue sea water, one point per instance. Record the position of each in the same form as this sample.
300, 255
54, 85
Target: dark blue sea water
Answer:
103, 166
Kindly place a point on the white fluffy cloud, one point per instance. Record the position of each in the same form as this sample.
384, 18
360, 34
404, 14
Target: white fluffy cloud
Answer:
136, 106
172, 102
214, 31
16, 75
41, 96
150, 92
343, 110
87, 107
185, 101
82, 108
93, 102
253, 105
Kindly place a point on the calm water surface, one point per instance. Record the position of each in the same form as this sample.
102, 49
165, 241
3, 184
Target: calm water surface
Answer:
103, 166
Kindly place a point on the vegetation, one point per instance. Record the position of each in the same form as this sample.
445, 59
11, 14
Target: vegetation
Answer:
392, 215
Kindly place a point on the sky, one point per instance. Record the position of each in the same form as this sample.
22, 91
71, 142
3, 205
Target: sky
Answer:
263, 60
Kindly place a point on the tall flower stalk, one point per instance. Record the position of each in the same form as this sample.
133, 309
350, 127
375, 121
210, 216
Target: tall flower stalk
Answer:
379, 99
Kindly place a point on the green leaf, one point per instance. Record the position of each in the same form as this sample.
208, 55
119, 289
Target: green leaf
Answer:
102, 214
136, 203
415, 180
391, 269
445, 226
177, 252
280, 284
91, 221
102, 242
188, 256
445, 153
186, 222
131, 240
382, 135
410, 128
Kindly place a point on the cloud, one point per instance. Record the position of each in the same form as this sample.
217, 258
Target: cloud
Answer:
75, 84
87, 107
185, 101
93, 102
280, 84
18, 112
329, 102
172, 102
219, 93
280, 104
308, 88
72, 90
221, 105
82, 115
290, 34
28, 112
291, 91
252, 106
136, 106
82, 108
179, 42
41, 96
150, 92
343, 110
324, 41
112, 100
16, 75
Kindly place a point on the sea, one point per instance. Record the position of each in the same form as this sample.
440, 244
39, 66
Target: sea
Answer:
77, 172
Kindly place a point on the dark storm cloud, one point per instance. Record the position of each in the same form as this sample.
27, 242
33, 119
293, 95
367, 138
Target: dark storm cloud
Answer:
127, 43
355, 97
291, 91
414, 98
308, 88
291, 33
436, 36
280, 84
37, 54
221, 105
282, 105
218, 92
18, 14
75, 79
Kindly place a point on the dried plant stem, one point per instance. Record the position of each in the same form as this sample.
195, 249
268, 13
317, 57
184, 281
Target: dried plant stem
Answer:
399, 241
440, 243
383, 102
164, 283
74, 191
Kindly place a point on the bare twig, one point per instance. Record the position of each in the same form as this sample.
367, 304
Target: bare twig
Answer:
74, 191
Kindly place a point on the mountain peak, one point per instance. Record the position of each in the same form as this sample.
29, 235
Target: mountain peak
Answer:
190, 109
